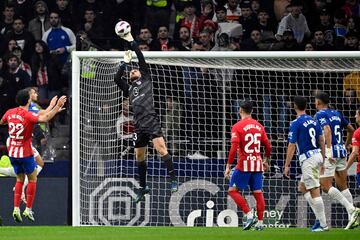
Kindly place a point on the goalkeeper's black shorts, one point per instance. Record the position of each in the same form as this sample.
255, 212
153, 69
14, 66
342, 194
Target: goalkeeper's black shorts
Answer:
146, 132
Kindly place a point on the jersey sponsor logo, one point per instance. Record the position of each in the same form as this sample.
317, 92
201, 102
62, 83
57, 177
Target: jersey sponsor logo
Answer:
138, 82
136, 91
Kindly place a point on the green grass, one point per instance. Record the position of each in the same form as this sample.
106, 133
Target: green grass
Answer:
169, 233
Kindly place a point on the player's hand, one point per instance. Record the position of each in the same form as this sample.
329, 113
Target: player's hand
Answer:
322, 169
227, 172
127, 56
53, 101
60, 103
266, 164
348, 148
128, 37
286, 171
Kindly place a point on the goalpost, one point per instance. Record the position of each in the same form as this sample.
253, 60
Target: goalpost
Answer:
197, 96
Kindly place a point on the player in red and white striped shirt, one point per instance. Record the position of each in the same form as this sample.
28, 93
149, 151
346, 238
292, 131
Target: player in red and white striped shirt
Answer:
20, 124
247, 137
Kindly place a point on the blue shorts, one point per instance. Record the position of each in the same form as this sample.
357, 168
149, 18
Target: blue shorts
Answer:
243, 179
358, 179
23, 165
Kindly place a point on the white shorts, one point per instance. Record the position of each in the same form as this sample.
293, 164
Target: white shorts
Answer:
311, 171
330, 169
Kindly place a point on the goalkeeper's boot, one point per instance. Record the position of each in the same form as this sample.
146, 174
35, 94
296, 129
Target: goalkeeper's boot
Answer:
355, 224
320, 229
316, 224
29, 214
141, 194
174, 186
354, 216
16, 215
249, 223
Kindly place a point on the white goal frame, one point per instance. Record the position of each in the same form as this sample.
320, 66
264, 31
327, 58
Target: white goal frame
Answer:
77, 55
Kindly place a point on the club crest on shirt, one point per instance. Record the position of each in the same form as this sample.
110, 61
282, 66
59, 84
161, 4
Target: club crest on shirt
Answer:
136, 91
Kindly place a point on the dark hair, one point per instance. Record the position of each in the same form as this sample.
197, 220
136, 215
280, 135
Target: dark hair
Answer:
247, 106
220, 8
323, 97
300, 103
22, 97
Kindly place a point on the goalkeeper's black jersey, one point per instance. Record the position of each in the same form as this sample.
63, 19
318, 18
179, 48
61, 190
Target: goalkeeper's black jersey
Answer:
140, 92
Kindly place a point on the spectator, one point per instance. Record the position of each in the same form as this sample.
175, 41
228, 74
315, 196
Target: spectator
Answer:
309, 47
267, 29
157, 14
339, 29
8, 20
125, 129
172, 121
16, 78
163, 42
92, 27
24, 39
9, 47
206, 40
41, 23
251, 43
295, 21
352, 41
327, 26
143, 46
233, 11
353, 24
190, 21
17, 51
185, 40
288, 42
46, 72
319, 41
351, 8
221, 16
60, 40
24, 8
145, 35
4, 91
247, 20
64, 9
224, 43
255, 6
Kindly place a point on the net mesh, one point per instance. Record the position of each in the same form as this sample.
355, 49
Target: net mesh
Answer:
197, 100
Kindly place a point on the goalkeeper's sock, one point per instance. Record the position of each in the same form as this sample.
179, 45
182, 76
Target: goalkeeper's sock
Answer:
309, 199
240, 201
142, 173
8, 172
170, 166
17, 193
335, 194
30, 194
319, 210
260, 204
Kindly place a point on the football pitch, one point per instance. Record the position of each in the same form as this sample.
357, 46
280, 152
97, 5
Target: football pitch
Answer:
169, 233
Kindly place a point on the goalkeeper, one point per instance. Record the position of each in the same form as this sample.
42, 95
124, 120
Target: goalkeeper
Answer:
147, 123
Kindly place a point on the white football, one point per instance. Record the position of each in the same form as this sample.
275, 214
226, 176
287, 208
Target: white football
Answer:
122, 28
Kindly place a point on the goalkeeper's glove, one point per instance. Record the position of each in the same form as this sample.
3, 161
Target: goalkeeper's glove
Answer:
128, 37
328, 153
127, 56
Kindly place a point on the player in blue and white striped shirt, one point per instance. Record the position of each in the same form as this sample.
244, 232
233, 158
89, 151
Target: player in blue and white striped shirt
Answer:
333, 124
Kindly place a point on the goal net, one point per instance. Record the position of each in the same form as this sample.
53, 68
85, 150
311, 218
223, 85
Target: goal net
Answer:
197, 97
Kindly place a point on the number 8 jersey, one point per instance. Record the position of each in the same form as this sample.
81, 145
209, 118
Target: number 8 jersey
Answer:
20, 124
250, 135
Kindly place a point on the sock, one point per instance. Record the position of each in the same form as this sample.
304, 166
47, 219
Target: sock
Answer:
17, 193
170, 166
240, 201
38, 170
260, 204
319, 210
142, 173
309, 199
30, 194
8, 172
335, 194
347, 194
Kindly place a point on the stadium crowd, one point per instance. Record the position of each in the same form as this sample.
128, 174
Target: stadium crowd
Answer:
36, 36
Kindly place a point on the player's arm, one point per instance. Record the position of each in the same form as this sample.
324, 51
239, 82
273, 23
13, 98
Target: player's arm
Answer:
266, 143
289, 156
353, 156
231, 157
58, 108
350, 132
142, 64
121, 80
